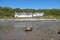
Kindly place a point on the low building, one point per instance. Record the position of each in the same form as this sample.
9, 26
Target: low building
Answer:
21, 15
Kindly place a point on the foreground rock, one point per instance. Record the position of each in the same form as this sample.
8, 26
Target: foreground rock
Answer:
28, 29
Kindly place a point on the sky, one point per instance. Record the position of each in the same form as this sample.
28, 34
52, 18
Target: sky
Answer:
31, 4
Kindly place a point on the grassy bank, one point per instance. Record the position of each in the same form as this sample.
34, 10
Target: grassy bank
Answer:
43, 17
8, 13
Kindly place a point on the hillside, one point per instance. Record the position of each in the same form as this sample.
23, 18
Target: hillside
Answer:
7, 12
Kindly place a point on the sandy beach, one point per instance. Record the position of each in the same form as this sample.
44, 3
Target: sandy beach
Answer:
42, 29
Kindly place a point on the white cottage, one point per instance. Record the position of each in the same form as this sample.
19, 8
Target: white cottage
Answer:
21, 15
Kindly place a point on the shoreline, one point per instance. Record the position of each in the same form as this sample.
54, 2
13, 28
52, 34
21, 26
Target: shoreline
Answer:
27, 19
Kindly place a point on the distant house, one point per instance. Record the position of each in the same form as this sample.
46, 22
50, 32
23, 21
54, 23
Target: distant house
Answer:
21, 15
38, 14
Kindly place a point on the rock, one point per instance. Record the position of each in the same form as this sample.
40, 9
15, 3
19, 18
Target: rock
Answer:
28, 28
58, 32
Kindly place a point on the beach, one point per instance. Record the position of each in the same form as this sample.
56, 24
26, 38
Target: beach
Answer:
43, 29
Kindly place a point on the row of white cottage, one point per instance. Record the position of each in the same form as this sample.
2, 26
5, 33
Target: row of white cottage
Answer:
21, 15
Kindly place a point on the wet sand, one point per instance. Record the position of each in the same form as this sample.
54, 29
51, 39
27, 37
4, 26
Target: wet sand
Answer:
42, 30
